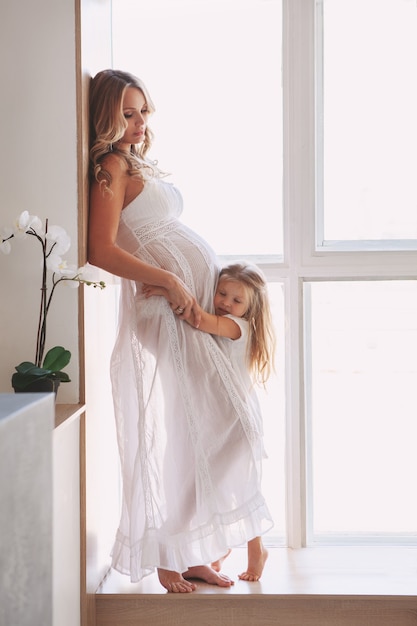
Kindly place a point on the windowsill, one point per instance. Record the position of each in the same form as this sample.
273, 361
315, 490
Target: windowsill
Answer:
66, 413
322, 571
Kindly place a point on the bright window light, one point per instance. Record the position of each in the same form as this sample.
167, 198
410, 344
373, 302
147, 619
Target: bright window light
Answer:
361, 346
367, 134
213, 69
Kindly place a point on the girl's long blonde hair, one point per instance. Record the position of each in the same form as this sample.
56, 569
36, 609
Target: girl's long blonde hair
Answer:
108, 125
261, 341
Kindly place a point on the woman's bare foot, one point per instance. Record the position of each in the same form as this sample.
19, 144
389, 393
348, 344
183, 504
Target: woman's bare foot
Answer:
209, 575
257, 556
174, 582
217, 565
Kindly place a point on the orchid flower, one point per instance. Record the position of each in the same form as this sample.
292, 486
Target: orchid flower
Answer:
55, 242
61, 242
24, 223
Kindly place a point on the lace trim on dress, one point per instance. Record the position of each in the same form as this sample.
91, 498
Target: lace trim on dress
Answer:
153, 230
194, 547
158, 230
187, 275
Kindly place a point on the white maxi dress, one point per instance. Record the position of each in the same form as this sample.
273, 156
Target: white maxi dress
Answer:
190, 446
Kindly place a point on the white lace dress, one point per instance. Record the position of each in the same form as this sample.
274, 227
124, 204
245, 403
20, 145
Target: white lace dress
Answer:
190, 446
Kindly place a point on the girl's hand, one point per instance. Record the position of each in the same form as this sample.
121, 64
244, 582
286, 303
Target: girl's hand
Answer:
153, 290
195, 317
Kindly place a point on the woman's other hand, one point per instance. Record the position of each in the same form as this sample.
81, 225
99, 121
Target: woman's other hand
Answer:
181, 301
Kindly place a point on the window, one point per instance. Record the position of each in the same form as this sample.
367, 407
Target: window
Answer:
367, 131
359, 322
299, 152
361, 339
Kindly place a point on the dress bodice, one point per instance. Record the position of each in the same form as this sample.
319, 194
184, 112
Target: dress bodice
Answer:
157, 201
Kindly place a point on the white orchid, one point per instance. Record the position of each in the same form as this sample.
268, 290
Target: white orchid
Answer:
24, 223
89, 273
55, 263
55, 242
70, 275
61, 241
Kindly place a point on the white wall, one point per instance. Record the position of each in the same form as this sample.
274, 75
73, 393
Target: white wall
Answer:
38, 173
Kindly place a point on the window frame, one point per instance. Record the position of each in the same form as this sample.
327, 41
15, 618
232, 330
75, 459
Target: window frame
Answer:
305, 259
321, 244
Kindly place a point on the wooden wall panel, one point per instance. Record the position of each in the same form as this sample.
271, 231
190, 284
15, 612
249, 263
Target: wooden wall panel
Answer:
93, 53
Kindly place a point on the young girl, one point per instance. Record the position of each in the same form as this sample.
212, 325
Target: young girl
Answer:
242, 322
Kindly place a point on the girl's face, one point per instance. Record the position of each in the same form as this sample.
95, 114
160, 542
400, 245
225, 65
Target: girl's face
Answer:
136, 114
231, 298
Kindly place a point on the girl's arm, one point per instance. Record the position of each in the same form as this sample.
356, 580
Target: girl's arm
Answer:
209, 323
104, 216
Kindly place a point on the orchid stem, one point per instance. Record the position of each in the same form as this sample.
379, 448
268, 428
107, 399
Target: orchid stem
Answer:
41, 335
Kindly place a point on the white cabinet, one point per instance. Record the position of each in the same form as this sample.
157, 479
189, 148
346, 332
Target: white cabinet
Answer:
66, 522
26, 427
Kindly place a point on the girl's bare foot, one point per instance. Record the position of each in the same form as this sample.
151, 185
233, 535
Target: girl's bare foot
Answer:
217, 565
174, 582
257, 556
209, 575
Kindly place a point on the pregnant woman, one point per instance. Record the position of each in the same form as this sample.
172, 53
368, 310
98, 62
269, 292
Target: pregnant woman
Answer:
190, 447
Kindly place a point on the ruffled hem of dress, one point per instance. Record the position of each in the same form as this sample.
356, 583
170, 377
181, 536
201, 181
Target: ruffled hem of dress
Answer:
198, 547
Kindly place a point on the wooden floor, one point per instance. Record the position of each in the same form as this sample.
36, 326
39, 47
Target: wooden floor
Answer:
334, 586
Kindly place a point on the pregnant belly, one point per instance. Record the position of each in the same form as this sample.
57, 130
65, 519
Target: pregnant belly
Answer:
188, 256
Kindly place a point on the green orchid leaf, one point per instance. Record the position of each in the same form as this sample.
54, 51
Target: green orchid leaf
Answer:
28, 368
56, 359
62, 376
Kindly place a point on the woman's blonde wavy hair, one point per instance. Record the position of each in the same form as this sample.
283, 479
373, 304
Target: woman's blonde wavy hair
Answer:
108, 125
261, 341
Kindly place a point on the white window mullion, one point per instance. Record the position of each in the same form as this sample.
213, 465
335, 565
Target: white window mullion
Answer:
319, 108
307, 360
299, 199
295, 450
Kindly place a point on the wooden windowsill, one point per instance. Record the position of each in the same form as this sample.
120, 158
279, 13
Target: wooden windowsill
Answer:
332, 586
66, 413
323, 571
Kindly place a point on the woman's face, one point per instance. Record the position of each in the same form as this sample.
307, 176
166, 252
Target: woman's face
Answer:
231, 298
136, 114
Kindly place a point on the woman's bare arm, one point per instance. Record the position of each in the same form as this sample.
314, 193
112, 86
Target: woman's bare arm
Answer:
104, 216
